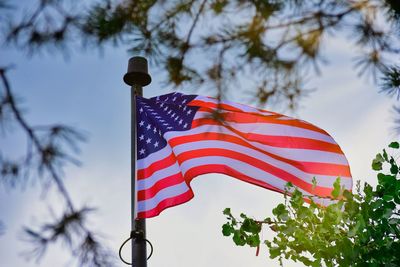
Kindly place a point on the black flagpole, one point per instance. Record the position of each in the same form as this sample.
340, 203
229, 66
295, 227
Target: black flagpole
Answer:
137, 76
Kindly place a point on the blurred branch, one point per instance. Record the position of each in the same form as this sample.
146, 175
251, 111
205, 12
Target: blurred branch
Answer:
70, 230
2, 228
48, 152
390, 83
49, 24
45, 150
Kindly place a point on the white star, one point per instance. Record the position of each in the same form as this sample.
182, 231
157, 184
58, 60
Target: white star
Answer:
141, 151
184, 101
184, 108
141, 110
166, 108
185, 125
169, 128
159, 132
154, 130
141, 137
148, 126
177, 117
169, 112
180, 121
173, 99
188, 112
141, 123
156, 144
162, 105
148, 140
173, 115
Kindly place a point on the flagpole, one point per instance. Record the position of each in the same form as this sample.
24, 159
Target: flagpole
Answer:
137, 77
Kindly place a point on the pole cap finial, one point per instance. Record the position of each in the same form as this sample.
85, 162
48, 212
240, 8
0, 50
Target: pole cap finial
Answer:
137, 73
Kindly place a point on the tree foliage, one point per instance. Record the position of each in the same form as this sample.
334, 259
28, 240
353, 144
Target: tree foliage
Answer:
358, 229
273, 43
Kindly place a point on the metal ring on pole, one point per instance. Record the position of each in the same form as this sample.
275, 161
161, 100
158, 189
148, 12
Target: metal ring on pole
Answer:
138, 236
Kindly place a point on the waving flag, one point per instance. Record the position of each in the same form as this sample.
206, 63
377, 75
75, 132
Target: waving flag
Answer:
182, 136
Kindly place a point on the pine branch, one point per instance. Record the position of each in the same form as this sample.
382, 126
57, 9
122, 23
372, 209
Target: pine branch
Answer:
71, 227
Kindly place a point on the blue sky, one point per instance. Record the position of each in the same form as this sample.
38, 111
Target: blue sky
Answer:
87, 91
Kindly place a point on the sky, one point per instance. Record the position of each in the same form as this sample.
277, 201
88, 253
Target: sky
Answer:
86, 90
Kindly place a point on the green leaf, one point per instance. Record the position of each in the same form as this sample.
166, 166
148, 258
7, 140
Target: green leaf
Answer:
336, 188
394, 145
279, 209
227, 229
297, 198
274, 252
253, 241
227, 211
348, 195
377, 162
238, 238
314, 183
385, 155
394, 169
249, 225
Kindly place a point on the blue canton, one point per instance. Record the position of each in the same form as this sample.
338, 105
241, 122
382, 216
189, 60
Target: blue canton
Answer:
159, 115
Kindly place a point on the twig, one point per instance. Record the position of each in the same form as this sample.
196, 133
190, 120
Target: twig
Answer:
34, 138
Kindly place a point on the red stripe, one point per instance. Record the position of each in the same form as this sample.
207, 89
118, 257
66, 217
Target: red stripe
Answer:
211, 106
159, 185
315, 168
293, 142
155, 166
199, 103
167, 203
282, 174
259, 118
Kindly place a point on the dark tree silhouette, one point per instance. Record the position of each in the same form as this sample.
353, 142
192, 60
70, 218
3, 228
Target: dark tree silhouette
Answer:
276, 44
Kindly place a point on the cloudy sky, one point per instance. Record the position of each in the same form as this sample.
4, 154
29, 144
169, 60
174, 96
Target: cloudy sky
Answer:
86, 90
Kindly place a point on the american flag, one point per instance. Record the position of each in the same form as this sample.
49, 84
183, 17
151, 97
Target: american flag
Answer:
180, 137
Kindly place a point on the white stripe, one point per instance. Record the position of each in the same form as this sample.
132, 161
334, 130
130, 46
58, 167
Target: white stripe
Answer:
158, 175
165, 193
297, 154
322, 180
202, 115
